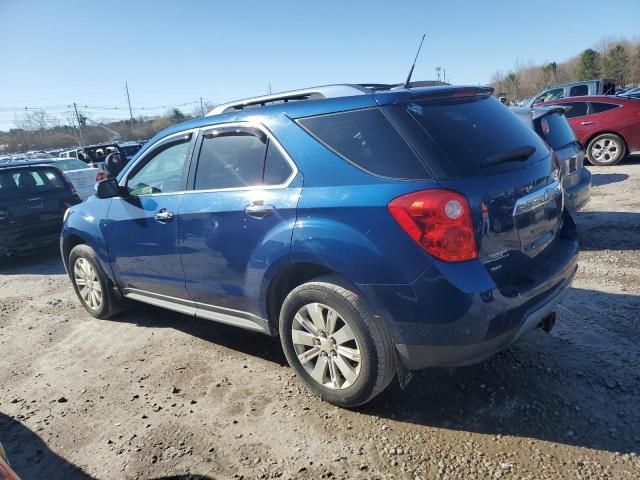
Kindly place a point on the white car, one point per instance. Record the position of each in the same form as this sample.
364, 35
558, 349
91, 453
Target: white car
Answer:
82, 176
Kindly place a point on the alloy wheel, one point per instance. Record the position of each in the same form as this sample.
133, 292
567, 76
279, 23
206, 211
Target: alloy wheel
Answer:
605, 150
326, 346
88, 284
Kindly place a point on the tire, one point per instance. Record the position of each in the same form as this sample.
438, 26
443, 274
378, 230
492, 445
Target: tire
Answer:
606, 149
331, 370
87, 274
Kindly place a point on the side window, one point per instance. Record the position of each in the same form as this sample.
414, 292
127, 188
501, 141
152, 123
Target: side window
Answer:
579, 91
599, 107
578, 109
367, 139
550, 95
163, 173
276, 167
231, 160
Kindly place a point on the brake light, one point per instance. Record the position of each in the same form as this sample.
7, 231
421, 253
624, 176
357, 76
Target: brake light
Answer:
439, 221
101, 176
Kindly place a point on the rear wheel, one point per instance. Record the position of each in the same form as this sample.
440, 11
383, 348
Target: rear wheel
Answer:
92, 285
334, 344
606, 149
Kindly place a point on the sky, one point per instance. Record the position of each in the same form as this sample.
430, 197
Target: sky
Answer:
171, 53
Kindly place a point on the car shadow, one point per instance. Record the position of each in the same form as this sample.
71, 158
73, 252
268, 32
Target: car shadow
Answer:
575, 386
595, 229
598, 179
45, 262
31, 458
250, 343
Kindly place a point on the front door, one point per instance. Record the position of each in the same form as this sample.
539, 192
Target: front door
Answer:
238, 218
143, 226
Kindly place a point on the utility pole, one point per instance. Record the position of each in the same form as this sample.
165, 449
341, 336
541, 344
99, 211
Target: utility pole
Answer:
269, 88
444, 75
126, 86
438, 72
201, 107
75, 107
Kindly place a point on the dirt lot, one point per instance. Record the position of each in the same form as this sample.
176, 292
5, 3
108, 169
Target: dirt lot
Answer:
159, 395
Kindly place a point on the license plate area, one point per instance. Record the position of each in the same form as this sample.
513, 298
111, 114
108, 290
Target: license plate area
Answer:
538, 217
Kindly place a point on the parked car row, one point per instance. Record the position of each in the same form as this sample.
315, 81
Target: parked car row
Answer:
606, 123
608, 126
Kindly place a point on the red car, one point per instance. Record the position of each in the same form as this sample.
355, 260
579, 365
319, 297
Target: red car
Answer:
608, 127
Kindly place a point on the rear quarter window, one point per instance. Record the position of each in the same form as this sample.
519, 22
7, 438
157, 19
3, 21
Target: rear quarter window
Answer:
367, 139
599, 107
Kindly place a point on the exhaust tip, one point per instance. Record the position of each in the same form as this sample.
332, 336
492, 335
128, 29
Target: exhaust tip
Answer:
548, 322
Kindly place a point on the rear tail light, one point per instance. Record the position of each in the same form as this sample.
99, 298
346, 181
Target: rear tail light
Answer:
101, 176
439, 221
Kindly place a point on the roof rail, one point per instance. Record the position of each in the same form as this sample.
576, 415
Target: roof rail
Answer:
314, 93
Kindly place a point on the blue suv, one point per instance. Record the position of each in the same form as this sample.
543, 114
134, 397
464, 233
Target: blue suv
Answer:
375, 229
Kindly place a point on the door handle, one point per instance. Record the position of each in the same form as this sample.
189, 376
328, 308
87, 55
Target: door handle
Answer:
586, 123
259, 210
163, 216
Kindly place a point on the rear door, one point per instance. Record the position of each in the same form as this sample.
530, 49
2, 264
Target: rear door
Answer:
577, 114
143, 226
238, 217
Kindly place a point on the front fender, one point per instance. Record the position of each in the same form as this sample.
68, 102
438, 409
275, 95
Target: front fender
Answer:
87, 223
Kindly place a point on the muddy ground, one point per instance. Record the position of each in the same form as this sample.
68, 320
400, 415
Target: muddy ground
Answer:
157, 395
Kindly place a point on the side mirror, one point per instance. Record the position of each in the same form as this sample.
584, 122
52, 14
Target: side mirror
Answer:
108, 188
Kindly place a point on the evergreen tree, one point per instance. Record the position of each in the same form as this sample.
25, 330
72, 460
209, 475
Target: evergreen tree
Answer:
615, 64
588, 65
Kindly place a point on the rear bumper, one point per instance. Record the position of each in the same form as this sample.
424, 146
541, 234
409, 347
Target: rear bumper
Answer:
455, 315
578, 196
415, 357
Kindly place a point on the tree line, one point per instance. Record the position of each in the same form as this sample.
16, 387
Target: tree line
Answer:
615, 59
38, 130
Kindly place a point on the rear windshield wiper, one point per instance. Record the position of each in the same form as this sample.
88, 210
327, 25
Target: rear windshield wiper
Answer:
517, 154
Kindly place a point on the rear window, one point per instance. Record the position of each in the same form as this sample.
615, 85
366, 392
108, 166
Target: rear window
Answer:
367, 139
555, 129
29, 182
456, 135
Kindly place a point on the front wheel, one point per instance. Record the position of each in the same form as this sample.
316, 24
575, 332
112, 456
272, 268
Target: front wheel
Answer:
606, 149
92, 285
334, 344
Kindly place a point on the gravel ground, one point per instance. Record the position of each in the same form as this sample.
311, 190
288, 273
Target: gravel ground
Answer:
158, 395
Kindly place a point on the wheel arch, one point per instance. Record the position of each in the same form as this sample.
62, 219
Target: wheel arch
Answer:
290, 277
67, 244
591, 136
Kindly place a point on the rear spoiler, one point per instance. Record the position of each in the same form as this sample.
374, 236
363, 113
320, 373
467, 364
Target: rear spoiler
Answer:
540, 112
439, 93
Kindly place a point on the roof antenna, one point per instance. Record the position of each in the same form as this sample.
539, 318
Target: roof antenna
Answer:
407, 84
